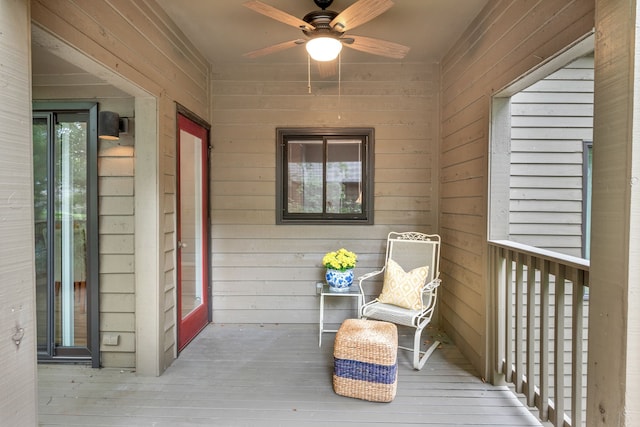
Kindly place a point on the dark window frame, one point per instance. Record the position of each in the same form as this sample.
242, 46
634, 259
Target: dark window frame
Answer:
587, 156
283, 135
91, 354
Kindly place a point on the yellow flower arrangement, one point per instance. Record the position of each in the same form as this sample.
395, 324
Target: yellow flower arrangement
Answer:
341, 259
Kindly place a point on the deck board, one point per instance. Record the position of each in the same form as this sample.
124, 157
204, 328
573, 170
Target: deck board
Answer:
270, 375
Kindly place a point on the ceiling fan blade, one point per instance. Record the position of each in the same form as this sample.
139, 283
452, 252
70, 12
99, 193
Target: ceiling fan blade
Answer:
377, 46
327, 68
277, 14
273, 49
359, 13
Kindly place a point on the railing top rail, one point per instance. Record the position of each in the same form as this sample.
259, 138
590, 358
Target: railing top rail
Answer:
556, 257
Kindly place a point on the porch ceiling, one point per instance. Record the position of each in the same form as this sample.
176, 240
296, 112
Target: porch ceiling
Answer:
224, 30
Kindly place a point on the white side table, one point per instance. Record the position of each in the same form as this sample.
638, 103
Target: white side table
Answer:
354, 292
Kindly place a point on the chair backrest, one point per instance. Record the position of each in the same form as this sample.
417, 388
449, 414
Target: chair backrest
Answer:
412, 249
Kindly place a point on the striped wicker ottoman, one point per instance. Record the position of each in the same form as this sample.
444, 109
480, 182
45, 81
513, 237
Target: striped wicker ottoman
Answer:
366, 360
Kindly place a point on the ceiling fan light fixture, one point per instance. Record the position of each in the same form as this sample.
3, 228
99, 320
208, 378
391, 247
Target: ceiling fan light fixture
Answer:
324, 48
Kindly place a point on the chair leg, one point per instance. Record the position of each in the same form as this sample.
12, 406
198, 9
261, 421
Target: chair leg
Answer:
418, 360
420, 357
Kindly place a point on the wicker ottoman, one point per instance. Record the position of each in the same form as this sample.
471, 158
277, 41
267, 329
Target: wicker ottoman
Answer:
366, 360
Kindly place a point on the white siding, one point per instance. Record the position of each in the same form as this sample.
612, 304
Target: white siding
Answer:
550, 121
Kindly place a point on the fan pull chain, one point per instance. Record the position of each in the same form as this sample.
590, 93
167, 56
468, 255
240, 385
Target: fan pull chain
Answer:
309, 73
339, 86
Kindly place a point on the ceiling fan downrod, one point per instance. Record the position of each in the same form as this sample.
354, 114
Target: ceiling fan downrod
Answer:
323, 4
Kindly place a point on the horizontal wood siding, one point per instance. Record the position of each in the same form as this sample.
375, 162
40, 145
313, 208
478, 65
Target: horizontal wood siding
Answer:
137, 40
117, 265
550, 121
264, 272
505, 41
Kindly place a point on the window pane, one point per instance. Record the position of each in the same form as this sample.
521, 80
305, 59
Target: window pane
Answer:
304, 171
191, 222
40, 205
70, 204
344, 176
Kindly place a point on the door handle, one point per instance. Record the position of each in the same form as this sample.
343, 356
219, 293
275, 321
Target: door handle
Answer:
181, 245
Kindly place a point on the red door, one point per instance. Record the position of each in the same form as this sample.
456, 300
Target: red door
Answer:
193, 248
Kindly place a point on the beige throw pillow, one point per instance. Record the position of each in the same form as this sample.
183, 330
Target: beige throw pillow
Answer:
403, 288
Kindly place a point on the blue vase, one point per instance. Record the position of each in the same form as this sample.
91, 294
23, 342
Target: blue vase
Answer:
339, 281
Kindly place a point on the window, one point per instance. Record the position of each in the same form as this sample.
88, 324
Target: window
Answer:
324, 175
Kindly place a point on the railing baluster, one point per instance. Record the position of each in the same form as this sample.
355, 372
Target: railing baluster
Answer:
577, 359
543, 404
500, 277
531, 333
508, 313
558, 352
519, 323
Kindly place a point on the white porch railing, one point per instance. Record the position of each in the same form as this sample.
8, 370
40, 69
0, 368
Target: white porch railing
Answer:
541, 311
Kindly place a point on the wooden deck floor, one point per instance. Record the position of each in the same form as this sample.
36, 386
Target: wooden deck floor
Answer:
271, 375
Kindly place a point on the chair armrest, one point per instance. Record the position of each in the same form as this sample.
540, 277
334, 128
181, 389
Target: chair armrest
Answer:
429, 286
429, 292
366, 277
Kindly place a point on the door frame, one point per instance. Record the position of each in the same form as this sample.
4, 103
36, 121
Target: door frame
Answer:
182, 111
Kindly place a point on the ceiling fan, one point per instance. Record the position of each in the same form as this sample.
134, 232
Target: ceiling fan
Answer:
325, 30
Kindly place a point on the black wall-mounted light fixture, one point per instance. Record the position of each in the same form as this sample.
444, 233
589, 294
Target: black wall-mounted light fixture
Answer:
111, 125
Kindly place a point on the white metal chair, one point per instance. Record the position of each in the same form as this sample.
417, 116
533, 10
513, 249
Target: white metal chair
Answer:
412, 251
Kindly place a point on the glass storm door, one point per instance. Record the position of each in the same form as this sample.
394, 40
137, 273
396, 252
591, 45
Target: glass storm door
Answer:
61, 160
193, 259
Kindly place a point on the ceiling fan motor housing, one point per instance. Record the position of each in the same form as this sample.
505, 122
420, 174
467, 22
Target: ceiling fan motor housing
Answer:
321, 20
